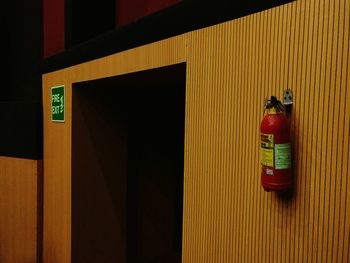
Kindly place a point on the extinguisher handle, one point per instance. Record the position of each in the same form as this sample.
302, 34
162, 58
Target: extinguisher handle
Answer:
273, 102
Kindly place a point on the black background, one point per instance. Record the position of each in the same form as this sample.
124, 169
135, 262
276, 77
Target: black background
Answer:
20, 95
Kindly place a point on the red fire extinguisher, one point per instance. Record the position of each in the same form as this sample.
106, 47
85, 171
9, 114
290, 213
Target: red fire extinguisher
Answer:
275, 148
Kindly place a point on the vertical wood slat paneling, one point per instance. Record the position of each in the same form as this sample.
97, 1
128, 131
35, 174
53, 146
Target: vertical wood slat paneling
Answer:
303, 45
231, 68
20, 206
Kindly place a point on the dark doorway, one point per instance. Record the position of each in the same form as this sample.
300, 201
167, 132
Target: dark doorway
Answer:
127, 167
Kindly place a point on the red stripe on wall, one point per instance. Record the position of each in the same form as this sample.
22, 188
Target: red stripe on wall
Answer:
53, 18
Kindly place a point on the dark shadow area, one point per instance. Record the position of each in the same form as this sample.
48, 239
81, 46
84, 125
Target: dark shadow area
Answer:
20, 94
127, 167
21, 130
286, 197
85, 20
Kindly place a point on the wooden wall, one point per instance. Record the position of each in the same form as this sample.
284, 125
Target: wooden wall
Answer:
228, 217
231, 68
20, 210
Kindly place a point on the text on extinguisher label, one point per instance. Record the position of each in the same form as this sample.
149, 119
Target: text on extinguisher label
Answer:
267, 149
283, 156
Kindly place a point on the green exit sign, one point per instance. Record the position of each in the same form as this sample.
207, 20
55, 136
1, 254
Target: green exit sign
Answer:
57, 104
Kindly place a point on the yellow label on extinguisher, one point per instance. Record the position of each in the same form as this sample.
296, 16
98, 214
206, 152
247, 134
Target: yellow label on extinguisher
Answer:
267, 149
267, 157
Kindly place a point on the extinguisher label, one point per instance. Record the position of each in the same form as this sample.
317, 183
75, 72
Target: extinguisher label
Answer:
283, 156
267, 149
266, 141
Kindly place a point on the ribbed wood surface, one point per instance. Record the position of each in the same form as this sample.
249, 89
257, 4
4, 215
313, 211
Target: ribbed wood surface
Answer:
232, 67
20, 210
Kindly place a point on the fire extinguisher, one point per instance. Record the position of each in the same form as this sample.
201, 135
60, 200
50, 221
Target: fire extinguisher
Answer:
275, 148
